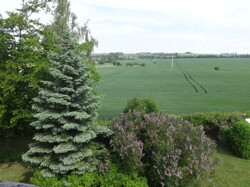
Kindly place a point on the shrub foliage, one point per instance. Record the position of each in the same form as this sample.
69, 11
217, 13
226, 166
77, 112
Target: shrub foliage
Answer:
143, 105
168, 150
214, 122
113, 178
239, 139
10, 156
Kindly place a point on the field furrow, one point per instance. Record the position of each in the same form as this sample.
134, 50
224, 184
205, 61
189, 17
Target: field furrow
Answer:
190, 81
191, 78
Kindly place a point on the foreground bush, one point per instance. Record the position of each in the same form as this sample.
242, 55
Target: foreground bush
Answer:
168, 150
239, 139
113, 178
248, 114
214, 122
10, 156
143, 105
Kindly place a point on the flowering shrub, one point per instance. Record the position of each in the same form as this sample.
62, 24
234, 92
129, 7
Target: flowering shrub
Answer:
170, 150
126, 141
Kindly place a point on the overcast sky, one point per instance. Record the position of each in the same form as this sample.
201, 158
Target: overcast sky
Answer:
199, 26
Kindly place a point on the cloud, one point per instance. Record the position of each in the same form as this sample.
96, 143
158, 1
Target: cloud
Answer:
132, 25
194, 21
215, 12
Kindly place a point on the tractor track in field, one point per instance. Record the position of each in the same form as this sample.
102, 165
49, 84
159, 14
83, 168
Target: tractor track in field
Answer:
192, 81
205, 91
196, 90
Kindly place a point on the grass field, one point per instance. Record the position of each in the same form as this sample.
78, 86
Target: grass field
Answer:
192, 86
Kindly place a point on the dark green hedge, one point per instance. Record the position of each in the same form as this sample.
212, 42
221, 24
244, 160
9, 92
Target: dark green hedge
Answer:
214, 122
239, 139
10, 156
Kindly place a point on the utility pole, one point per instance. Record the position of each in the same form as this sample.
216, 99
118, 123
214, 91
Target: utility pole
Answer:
172, 63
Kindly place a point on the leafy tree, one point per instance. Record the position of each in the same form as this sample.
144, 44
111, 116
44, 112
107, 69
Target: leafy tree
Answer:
22, 63
66, 112
24, 46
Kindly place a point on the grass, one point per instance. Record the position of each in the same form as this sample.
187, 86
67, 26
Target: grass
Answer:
231, 172
227, 88
15, 172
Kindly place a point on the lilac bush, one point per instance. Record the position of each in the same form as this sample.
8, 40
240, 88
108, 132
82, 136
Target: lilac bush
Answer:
126, 141
170, 150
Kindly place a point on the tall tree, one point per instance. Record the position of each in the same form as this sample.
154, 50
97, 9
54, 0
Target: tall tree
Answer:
66, 111
21, 65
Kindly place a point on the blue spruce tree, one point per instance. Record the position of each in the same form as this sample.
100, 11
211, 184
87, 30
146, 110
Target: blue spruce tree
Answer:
65, 115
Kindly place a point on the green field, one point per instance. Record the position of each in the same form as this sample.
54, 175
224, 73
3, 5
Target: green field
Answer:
191, 86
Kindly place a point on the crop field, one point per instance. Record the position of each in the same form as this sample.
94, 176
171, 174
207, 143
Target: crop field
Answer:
193, 85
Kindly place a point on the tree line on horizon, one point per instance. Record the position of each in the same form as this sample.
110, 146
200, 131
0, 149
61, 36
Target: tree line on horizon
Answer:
112, 56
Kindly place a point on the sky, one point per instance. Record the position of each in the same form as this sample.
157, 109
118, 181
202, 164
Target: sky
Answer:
131, 26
